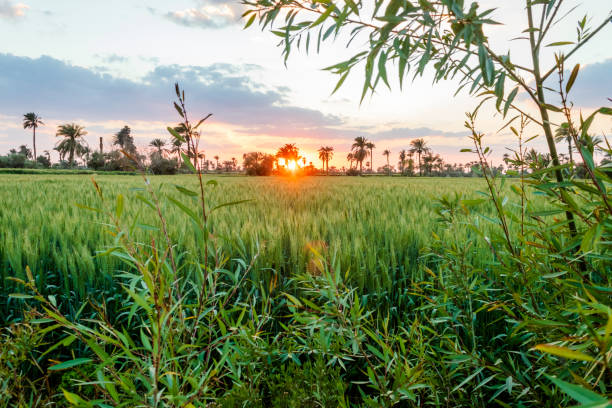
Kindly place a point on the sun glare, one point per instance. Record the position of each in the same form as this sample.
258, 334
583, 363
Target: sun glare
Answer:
291, 165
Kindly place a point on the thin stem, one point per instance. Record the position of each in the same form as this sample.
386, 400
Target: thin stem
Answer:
544, 112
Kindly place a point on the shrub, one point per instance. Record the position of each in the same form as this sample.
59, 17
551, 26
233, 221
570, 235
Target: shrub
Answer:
160, 165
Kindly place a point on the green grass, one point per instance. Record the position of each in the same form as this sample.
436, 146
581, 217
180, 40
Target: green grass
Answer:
373, 228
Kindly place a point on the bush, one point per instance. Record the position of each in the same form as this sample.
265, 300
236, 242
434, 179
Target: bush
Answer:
44, 161
97, 161
160, 165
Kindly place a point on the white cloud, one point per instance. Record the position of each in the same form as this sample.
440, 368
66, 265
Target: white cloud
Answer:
10, 10
208, 14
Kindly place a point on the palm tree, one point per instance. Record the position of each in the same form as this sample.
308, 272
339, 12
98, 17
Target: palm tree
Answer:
217, 160
177, 147
158, 144
322, 156
563, 134
32, 121
359, 148
419, 146
371, 147
124, 139
288, 152
350, 159
325, 154
387, 152
72, 141
202, 157
402, 161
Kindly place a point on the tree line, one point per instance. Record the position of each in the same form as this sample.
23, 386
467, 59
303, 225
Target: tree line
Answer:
164, 156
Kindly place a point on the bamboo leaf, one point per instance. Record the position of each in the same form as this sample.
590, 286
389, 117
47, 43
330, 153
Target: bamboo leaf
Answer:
563, 352
509, 100
70, 364
572, 78
580, 394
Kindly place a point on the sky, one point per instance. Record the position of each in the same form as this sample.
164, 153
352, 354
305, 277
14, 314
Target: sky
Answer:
106, 64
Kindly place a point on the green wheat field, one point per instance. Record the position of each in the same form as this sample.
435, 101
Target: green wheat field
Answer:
370, 227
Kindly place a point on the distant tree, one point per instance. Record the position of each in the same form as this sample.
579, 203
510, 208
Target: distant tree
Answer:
288, 152
32, 121
258, 164
360, 150
203, 162
176, 147
24, 151
419, 146
72, 141
402, 161
217, 160
158, 144
43, 161
124, 139
97, 161
386, 153
325, 155
350, 159
370, 146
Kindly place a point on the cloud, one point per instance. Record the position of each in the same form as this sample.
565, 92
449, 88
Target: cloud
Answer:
248, 115
60, 90
207, 14
402, 133
112, 58
10, 10
593, 85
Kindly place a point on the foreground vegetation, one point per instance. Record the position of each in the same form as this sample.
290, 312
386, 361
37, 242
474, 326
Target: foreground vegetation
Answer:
504, 301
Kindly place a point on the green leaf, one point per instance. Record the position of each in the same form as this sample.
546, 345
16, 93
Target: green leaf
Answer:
73, 398
551, 107
591, 238
185, 191
509, 100
580, 394
560, 43
185, 209
187, 161
605, 111
588, 157
176, 134
250, 22
572, 78
119, 209
70, 363
340, 82
229, 204
563, 352
179, 110
323, 16
84, 207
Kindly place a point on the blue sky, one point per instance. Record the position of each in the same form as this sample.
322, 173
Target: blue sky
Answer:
106, 64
